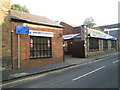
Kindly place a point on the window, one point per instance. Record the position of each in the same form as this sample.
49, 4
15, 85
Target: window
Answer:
105, 44
93, 44
40, 47
113, 44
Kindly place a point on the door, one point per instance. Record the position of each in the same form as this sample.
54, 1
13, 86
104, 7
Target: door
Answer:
78, 49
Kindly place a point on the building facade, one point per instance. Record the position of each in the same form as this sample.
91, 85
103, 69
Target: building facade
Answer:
73, 43
5, 34
42, 45
113, 30
98, 42
81, 41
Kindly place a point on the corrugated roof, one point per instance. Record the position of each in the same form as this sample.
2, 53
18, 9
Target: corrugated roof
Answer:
117, 25
97, 32
18, 15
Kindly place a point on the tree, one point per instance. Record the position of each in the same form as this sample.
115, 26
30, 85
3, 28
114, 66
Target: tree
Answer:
19, 8
89, 22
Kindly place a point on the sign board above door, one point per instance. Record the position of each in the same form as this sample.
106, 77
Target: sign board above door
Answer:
40, 33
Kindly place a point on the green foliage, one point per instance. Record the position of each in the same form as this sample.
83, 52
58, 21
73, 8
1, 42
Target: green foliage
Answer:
19, 8
89, 22
97, 28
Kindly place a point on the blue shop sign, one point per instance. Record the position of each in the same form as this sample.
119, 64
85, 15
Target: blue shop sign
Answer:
22, 30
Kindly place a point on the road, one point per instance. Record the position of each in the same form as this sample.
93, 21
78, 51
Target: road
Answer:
97, 74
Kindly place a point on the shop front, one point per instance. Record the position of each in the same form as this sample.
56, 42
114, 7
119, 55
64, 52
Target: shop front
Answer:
42, 45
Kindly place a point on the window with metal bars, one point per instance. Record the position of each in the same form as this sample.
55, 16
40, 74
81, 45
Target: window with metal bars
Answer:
105, 44
113, 44
93, 44
40, 47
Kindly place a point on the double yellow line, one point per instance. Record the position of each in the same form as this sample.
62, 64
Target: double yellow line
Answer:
28, 78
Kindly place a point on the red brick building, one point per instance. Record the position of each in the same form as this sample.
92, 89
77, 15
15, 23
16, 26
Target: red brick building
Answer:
44, 44
72, 39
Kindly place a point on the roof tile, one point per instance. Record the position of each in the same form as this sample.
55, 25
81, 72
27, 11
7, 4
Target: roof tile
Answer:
32, 18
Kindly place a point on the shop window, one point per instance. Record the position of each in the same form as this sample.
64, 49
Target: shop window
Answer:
40, 47
113, 44
105, 44
93, 44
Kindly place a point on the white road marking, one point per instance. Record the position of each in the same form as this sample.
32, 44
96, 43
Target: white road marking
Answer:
98, 60
88, 73
116, 61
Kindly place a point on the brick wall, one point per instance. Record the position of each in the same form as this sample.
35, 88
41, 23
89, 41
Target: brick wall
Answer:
69, 29
100, 52
77, 30
6, 33
57, 46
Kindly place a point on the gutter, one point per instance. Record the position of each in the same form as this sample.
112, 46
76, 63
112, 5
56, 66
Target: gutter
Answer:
32, 22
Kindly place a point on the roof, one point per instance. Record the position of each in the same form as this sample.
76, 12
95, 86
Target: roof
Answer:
18, 15
99, 34
114, 33
72, 25
110, 26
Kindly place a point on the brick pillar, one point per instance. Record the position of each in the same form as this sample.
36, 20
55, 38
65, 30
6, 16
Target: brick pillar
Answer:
109, 44
100, 44
117, 45
84, 38
86, 42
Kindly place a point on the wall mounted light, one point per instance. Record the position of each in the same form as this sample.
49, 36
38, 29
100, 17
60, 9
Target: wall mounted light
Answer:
60, 35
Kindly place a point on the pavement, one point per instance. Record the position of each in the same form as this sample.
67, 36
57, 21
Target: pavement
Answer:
69, 61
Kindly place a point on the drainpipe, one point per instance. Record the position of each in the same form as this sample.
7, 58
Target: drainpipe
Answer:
88, 45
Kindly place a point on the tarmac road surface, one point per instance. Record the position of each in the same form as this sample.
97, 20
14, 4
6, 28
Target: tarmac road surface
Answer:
96, 74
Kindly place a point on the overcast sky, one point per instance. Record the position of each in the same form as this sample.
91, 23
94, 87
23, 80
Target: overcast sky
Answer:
104, 12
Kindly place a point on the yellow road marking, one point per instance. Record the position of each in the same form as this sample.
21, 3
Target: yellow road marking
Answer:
29, 78
32, 77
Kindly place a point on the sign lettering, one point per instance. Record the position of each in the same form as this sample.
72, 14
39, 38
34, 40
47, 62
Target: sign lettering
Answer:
41, 33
